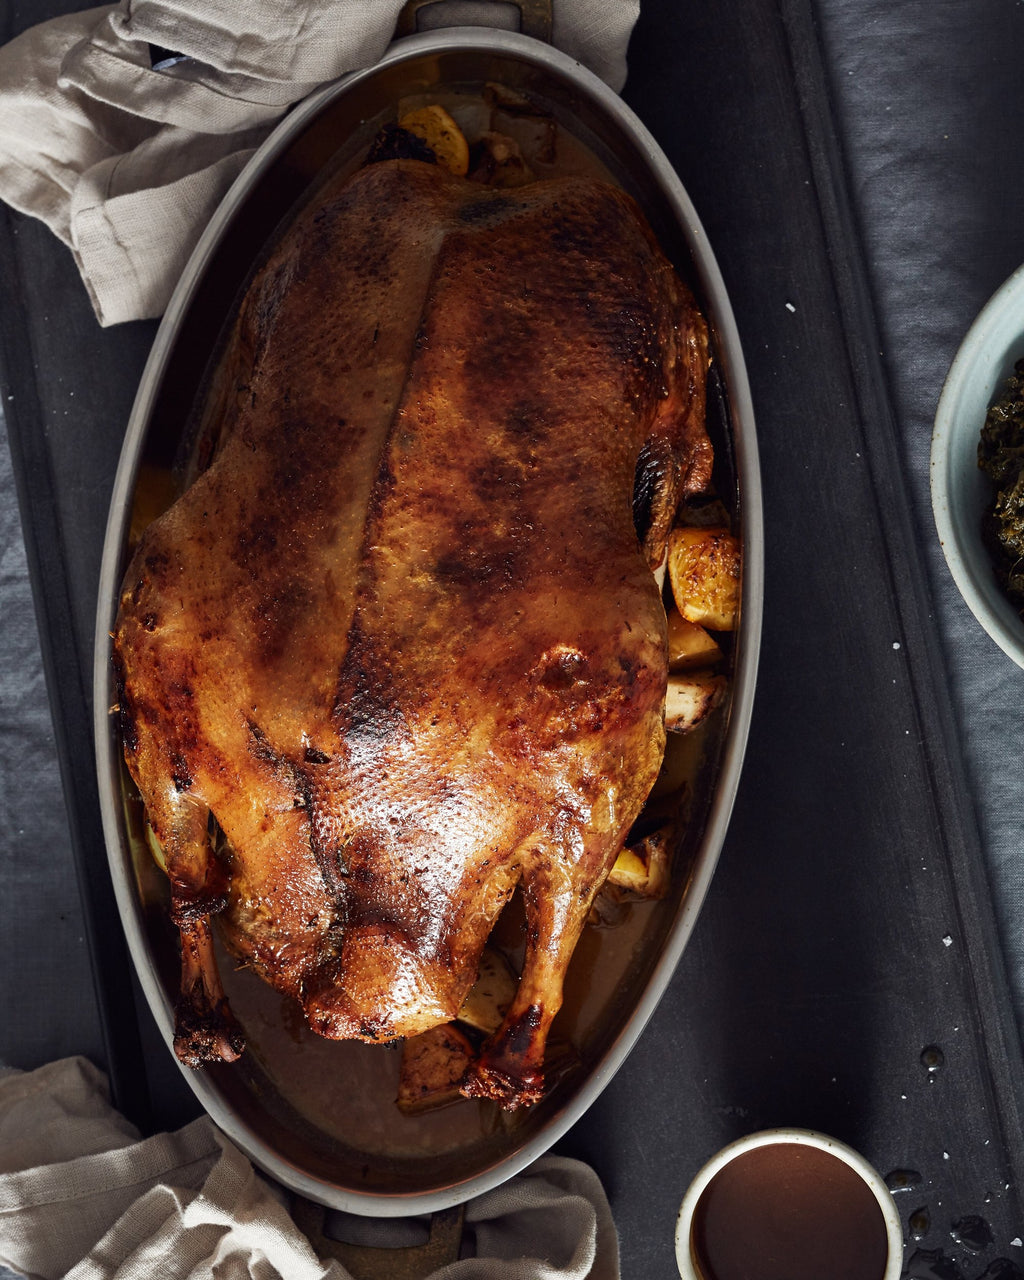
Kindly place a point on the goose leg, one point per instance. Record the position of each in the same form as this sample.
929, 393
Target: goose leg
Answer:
205, 1029
510, 1069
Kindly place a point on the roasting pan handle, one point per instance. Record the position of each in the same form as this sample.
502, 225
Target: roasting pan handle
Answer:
369, 1262
534, 17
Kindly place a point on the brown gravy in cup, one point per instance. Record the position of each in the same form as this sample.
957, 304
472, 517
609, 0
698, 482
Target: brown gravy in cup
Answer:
788, 1211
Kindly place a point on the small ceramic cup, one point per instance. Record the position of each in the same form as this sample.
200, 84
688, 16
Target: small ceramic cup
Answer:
788, 1203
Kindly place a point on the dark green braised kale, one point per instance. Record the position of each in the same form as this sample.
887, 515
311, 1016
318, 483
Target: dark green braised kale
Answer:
1001, 457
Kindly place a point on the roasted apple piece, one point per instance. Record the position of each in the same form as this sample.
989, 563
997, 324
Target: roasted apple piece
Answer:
491, 995
498, 161
690, 697
643, 867
689, 644
704, 571
434, 126
433, 1064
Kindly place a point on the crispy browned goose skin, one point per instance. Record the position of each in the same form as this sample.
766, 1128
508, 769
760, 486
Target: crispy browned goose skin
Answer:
400, 638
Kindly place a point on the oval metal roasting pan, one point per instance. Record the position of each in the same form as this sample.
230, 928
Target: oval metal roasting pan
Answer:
318, 1116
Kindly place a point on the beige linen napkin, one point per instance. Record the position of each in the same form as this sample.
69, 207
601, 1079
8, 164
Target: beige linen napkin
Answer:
81, 1196
121, 127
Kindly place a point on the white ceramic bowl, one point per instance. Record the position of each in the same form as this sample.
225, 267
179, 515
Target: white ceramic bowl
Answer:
960, 490
687, 1259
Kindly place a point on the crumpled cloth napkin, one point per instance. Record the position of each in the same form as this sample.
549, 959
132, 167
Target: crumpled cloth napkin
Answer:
82, 1197
121, 127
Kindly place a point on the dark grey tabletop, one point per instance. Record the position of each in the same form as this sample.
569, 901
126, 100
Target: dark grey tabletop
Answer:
856, 166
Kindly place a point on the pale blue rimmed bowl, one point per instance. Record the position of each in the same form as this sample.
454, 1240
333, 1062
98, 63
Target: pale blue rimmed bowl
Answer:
960, 490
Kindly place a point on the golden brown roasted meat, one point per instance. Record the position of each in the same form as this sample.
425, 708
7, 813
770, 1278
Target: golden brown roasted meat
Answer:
401, 638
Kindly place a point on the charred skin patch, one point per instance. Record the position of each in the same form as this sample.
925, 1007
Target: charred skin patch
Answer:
181, 774
125, 711
188, 908
525, 424
205, 1031
368, 705
477, 213
395, 143
655, 470
475, 573
276, 617
254, 543
507, 1069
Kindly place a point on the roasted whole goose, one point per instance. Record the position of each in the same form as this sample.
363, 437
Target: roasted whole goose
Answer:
401, 638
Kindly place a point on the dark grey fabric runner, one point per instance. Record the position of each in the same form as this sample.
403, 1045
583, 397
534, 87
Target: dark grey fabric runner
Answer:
929, 101
47, 1006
